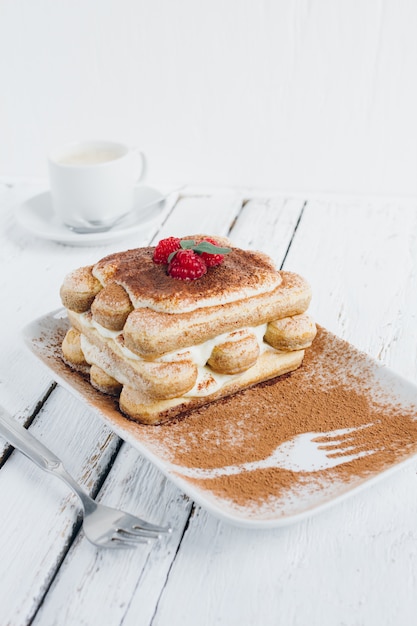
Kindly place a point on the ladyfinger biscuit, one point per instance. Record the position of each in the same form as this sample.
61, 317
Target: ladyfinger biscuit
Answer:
291, 333
111, 307
103, 382
235, 355
72, 353
79, 289
71, 348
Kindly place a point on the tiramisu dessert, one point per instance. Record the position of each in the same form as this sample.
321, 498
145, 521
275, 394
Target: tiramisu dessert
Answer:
172, 327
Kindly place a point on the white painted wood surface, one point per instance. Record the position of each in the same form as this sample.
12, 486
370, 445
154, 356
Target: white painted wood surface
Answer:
299, 95
354, 564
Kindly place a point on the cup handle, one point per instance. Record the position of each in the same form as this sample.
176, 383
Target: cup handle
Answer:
140, 164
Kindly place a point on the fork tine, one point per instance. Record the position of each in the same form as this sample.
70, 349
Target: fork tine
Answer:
115, 543
109, 541
153, 528
142, 532
121, 535
137, 532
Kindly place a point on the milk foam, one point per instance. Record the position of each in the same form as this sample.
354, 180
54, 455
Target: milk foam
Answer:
90, 157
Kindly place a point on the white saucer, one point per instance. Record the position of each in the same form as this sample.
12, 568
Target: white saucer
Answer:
37, 216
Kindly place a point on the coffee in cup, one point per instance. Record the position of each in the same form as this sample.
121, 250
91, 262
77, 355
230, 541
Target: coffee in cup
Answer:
92, 183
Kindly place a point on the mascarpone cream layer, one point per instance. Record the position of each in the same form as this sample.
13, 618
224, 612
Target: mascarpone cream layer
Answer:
207, 381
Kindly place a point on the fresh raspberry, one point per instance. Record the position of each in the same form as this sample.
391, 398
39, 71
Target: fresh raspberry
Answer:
211, 259
164, 248
187, 265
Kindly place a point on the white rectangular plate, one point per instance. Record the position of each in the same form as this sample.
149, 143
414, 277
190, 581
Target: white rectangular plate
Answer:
285, 413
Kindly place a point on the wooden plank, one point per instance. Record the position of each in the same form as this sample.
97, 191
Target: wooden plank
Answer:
362, 269
39, 516
207, 214
268, 224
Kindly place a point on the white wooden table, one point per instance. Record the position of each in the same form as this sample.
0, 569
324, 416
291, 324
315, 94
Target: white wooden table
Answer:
353, 564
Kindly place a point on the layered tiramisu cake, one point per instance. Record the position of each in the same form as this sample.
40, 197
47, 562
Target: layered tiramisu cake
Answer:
172, 327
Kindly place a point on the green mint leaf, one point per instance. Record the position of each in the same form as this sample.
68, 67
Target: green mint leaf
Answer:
206, 246
187, 244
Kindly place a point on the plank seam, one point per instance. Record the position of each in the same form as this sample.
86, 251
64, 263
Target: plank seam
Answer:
29, 420
294, 233
186, 525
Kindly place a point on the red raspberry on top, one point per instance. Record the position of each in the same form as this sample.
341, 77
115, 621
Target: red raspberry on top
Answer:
211, 259
164, 248
187, 265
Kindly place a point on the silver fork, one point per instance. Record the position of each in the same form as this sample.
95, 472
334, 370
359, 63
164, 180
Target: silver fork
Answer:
103, 526
308, 452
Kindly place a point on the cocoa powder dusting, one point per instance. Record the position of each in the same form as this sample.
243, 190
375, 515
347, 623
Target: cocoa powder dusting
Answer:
334, 388
144, 280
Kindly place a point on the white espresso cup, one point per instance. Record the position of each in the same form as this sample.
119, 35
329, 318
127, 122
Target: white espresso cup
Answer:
92, 183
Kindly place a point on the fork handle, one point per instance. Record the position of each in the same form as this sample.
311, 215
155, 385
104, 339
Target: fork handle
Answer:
21, 439
44, 458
